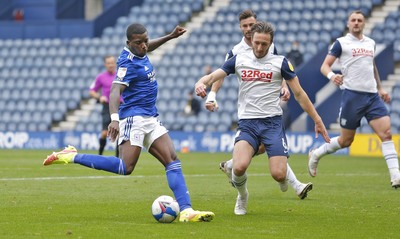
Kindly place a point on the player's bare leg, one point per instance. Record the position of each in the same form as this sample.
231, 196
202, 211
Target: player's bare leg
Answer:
381, 126
300, 188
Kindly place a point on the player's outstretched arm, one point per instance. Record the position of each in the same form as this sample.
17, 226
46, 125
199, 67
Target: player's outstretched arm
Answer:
155, 43
305, 103
207, 80
211, 101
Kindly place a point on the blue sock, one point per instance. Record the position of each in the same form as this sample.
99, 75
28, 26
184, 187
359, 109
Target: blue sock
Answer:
177, 184
107, 163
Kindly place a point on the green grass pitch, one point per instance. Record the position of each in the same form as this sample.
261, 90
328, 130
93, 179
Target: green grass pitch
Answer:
352, 198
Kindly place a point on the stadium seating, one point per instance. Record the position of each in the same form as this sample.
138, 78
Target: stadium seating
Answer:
49, 77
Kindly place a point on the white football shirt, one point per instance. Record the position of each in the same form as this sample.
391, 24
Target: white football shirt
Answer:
260, 82
356, 58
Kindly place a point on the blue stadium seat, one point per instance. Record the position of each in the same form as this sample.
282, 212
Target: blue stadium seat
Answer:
43, 126
210, 127
90, 127
389, 36
229, 107
309, 4
12, 126
26, 117
21, 105
32, 127
376, 2
395, 105
320, 5
5, 116
311, 47
325, 36
80, 126
223, 128
16, 116
22, 127
3, 126
188, 127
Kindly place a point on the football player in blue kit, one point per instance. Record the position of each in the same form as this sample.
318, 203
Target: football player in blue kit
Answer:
260, 78
362, 96
134, 122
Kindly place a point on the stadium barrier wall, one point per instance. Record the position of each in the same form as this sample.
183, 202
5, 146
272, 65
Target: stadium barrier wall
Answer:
370, 145
42, 28
6, 10
299, 143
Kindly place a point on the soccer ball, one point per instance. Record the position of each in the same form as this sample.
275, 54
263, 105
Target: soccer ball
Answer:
165, 209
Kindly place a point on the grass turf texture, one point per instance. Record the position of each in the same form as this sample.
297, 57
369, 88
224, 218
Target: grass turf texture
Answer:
352, 198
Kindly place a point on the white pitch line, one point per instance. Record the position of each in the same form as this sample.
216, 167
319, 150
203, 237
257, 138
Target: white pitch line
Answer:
158, 176
98, 177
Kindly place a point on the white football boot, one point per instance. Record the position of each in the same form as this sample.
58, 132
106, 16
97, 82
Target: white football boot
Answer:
312, 163
241, 204
303, 189
228, 171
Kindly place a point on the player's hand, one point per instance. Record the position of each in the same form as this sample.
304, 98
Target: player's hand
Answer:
285, 94
384, 95
113, 130
103, 99
177, 32
212, 106
320, 129
211, 102
337, 79
200, 89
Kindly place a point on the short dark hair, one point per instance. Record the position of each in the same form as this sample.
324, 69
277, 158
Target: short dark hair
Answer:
357, 12
263, 27
246, 14
135, 28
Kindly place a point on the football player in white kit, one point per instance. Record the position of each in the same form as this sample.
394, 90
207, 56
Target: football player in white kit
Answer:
362, 96
247, 19
260, 77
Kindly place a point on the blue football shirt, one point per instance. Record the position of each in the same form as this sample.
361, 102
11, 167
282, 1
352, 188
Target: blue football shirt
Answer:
140, 96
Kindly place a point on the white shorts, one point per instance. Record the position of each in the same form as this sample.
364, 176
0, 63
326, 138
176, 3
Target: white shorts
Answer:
140, 131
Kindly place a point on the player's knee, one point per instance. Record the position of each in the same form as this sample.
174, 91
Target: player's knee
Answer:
344, 143
278, 175
239, 170
386, 136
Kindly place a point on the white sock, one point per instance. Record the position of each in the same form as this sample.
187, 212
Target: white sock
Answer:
240, 183
291, 177
327, 148
229, 164
392, 161
73, 159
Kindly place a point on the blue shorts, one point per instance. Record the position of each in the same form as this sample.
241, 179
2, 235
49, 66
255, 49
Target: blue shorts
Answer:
355, 105
269, 131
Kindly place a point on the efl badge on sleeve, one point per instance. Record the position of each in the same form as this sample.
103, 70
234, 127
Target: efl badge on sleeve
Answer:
121, 73
290, 66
